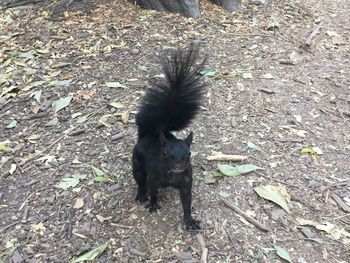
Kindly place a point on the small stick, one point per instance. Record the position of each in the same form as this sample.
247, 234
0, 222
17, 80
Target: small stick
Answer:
40, 152
121, 226
227, 157
201, 242
295, 140
341, 217
204, 255
340, 202
25, 201
8, 226
314, 32
247, 217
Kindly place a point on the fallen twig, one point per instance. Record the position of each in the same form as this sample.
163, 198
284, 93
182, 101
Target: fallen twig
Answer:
227, 157
247, 217
312, 35
295, 140
8, 226
121, 226
204, 254
340, 202
25, 201
40, 152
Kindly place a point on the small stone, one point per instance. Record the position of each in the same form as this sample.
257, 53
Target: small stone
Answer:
17, 257
277, 214
184, 255
307, 233
135, 51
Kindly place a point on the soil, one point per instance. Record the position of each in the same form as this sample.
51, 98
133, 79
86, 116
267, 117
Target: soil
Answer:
267, 87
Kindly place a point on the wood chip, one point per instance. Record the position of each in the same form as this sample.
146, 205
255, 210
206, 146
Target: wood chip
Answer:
79, 203
314, 32
227, 157
340, 202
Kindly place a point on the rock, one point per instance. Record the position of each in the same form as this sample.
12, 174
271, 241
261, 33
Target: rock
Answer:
17, 257
135, 51
276, 214
184, 255
307, 233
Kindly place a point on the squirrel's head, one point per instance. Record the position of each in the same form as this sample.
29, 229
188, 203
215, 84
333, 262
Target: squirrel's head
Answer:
176, 152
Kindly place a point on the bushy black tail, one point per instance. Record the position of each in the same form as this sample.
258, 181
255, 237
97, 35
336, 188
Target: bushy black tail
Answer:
172, 104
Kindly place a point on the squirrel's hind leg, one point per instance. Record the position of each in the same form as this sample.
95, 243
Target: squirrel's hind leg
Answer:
140, 178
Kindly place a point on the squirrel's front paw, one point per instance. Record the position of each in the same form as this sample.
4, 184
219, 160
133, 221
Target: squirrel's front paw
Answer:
192, 224
142, 198
152, 207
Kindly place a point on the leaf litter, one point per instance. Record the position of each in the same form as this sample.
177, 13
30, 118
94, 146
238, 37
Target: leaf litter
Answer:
24, 68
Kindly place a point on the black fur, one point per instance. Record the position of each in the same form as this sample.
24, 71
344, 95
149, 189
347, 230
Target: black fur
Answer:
159, 158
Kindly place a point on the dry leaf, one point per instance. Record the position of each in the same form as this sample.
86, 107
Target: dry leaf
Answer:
125, 117
79, 203
102, 219
13, 168
282, 189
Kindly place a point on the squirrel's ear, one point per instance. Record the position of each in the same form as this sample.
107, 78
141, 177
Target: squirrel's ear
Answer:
189, 139
162, 139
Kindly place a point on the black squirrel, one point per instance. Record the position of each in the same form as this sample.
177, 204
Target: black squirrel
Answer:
159, 158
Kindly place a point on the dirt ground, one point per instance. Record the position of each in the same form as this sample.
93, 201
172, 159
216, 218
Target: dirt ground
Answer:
267, 87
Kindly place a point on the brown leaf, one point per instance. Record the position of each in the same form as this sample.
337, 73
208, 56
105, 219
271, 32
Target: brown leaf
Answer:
102, 219
125, 117
79, 203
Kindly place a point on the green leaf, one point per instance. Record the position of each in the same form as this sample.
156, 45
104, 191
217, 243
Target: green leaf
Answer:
247, 75
224, 194
53, 122
103, 120
142, 67
117, 105
252, 146
82, 119
100, 176
229, 170
282, 253
267, 76
100, 179
271, 193
12, 124
306, 150
133, 216
115, 85
76, 114
58, 83
69, 182
3, 147
37, 95
61, 103
207, 73
91, 255
97, 172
